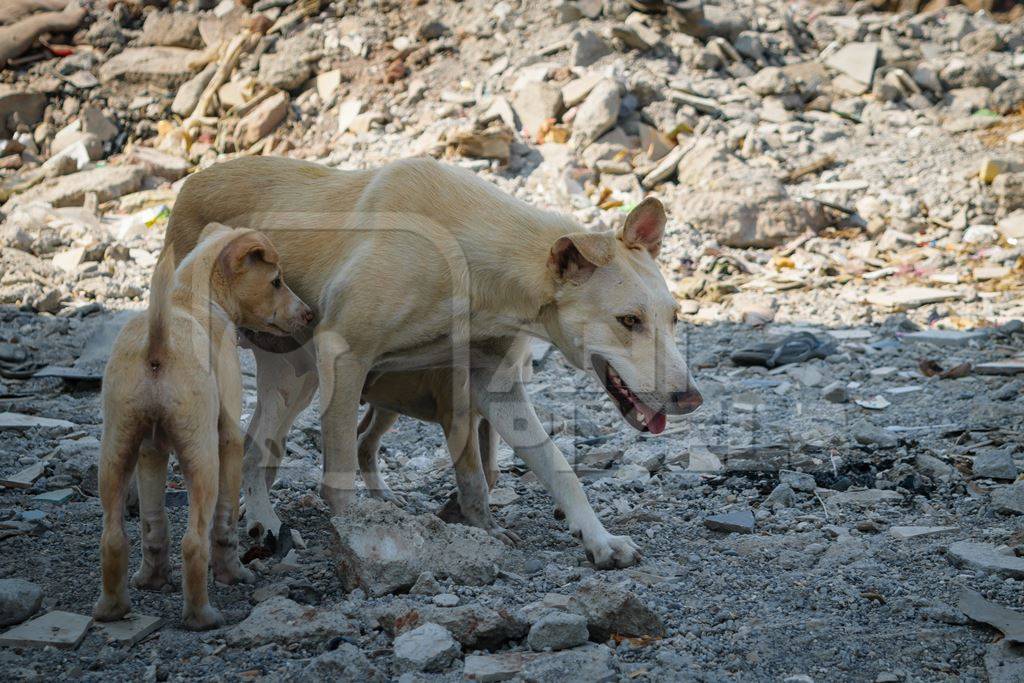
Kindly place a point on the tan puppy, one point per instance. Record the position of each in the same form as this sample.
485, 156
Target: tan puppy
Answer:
418, 265
173, 382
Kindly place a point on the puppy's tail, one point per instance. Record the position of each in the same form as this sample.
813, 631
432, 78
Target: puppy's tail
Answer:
159, 300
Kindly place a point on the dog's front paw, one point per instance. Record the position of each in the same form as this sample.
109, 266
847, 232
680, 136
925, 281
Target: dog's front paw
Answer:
386, 494
202, 618
111, 607
154, 579
612, 552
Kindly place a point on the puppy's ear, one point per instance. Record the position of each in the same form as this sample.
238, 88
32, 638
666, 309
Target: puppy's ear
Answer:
245, 250
645, 226
576, 256
212, 229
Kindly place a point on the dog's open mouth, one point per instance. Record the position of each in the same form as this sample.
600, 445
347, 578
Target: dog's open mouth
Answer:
637, 413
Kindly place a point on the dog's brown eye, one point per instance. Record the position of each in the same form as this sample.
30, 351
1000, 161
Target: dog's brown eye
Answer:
630, 322
277, 282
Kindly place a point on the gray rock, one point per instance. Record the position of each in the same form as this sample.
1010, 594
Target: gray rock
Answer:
591, 663
798, 481
536, 102
835, 393
612, 609
981, 41
782, 496
985, 557
598, 112
995, 464
426, 584
474, 625
558, 631
384, 550
427, 648
1004, 662
346, 663
737, 521
771, 80
178, 29
284, 70
496, 667
19, 599
1007, 96
283, 621
856, 60
867, 434
1009, 499
18, 104
722, 196
587, 48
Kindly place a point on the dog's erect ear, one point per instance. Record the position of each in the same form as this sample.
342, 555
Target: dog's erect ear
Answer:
246, 249
645, 226
576, 256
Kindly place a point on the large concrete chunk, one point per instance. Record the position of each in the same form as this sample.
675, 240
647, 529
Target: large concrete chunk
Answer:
384, 550
612, 609
985, 557
165, 66
283, 621
108, 182
64, 630
475, 626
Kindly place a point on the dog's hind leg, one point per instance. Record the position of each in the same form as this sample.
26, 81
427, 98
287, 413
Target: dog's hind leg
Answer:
471, 480
151, 474
227, 568
286, 384
118, 453
375, 423
197, 453
488, 452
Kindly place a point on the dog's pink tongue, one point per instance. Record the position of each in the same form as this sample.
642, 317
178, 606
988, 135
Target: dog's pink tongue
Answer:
655, 420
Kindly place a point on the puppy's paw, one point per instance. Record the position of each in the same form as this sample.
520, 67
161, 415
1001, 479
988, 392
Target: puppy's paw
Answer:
111, 607
233, 572
509, 538
202, 618
154, 579
612, 552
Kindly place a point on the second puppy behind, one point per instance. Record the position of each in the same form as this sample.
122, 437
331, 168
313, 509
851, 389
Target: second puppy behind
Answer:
174, 382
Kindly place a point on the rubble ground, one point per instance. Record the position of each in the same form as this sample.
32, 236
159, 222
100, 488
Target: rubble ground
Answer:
854, 170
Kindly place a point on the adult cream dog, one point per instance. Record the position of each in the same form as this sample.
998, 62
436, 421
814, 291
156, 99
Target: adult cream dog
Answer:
421, 265
173, 382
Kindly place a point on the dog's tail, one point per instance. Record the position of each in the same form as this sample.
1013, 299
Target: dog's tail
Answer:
159, 300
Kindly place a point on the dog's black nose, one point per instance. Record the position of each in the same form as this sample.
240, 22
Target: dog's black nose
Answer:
687, 401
